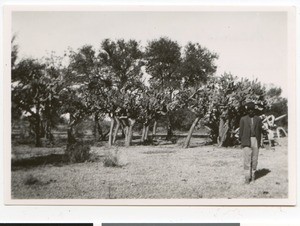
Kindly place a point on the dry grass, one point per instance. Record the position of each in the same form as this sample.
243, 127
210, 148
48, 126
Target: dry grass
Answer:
154, 172
111, 158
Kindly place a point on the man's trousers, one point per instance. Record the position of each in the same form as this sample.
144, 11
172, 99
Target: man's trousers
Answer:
251, 157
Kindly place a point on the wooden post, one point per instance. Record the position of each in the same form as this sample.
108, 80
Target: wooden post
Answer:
143, 133
130, 132
146, 133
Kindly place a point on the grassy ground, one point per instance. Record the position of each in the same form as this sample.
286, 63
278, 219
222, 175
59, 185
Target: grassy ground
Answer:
154, 172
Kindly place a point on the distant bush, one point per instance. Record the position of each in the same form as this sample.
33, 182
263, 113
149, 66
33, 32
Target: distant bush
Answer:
112, 158
279, 106
78, 152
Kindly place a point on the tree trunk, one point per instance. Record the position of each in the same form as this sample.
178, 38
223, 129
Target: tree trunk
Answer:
123, 125
71, 137
221, 124
96, 125
126, 129
143, 133
37, 127
100, 132
42, 129
110, 138
129, 132
38, 142
116, 130
169, 129
146, 133
154, 129
223, 132
129, 136
189, 136
123, 132
49, 134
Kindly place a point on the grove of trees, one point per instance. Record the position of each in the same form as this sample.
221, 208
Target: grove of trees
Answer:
132, 84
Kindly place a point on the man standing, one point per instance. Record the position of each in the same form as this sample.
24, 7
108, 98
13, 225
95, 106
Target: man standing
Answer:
250, 137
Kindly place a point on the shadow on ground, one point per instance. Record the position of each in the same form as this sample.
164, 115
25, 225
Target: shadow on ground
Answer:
53, 159
261, 173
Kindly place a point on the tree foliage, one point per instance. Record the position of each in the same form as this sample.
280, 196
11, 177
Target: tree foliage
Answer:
228, 101
124, 61
183, 88
34, 93
163, 58
198, 65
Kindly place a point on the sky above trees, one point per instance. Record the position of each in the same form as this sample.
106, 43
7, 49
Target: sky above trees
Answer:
249, 44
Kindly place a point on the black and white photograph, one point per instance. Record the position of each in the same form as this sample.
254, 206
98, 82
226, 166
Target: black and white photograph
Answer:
151, 106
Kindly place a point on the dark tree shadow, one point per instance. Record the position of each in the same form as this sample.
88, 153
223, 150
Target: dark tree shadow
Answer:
261, 173
53, 159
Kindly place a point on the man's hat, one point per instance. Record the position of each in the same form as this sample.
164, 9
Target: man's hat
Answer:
250, 105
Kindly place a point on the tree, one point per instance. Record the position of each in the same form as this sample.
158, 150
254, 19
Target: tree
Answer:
84, 82
32, 87
90, 74
197, 102
198, 65
124, 61
228, 106
75, 105
16, 112
152, 107
163, 59
54, 80
220, 103
129, 113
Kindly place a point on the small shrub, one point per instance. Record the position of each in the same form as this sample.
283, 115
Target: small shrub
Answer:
30, 180
112, 158
77, 152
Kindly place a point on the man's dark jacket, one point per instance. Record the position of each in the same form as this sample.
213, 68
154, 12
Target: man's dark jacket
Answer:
245, 130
